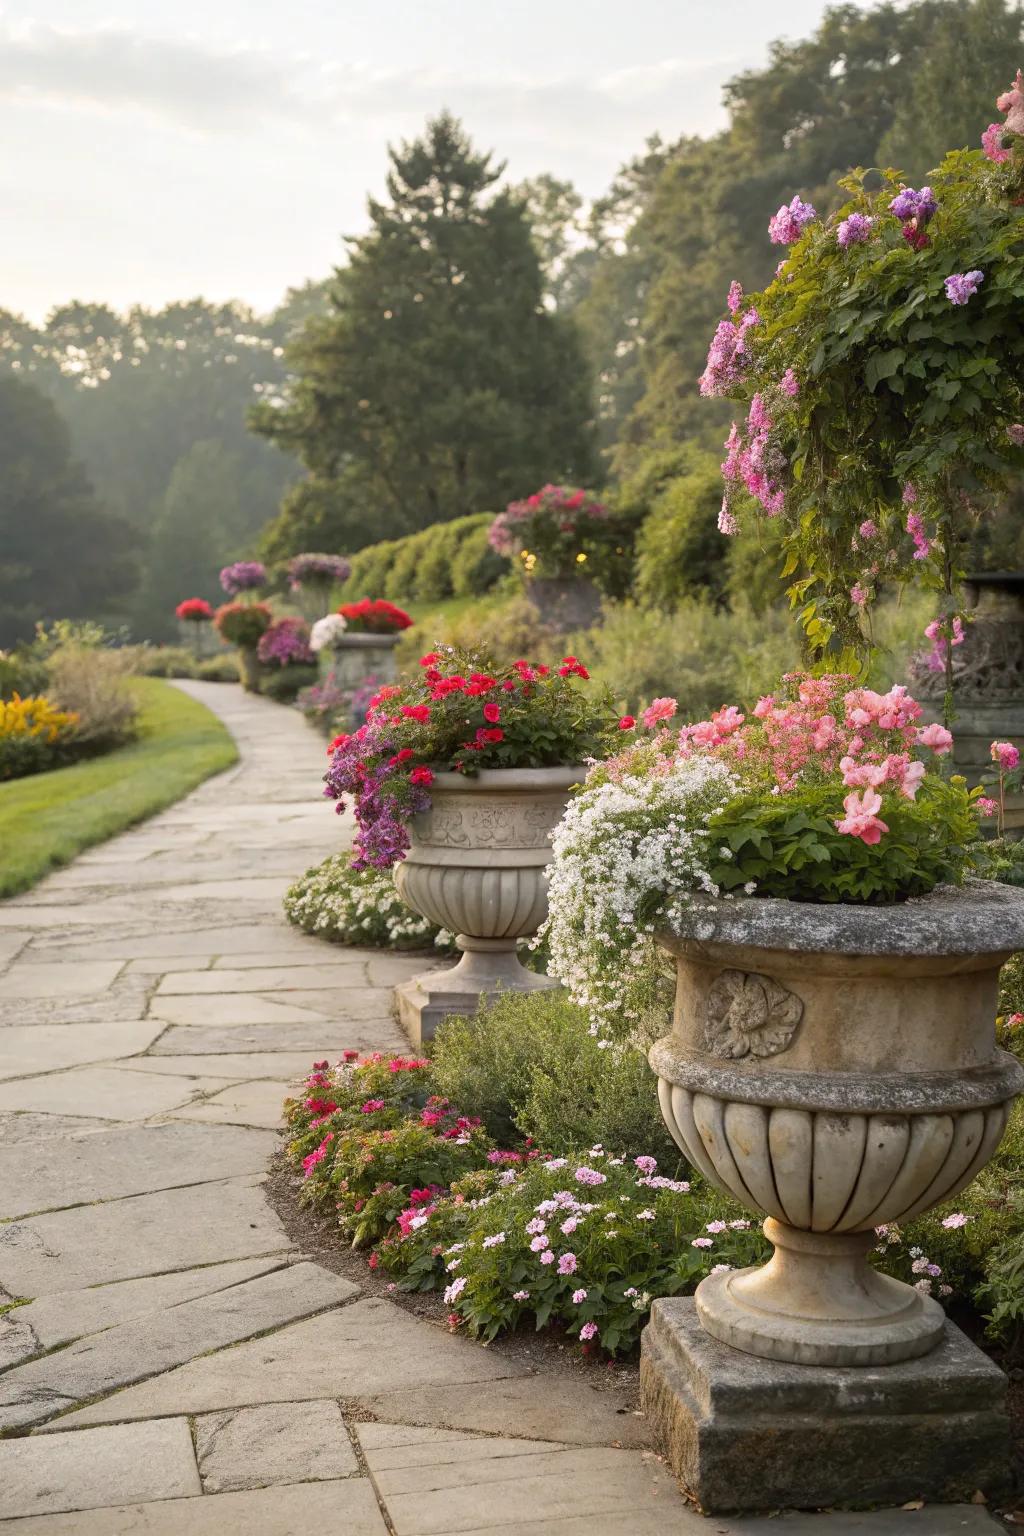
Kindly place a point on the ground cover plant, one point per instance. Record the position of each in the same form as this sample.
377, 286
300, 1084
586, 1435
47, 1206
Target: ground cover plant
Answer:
360, 907
47, 819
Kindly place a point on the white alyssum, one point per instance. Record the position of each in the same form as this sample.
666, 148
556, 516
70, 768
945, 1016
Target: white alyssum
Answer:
326, 632
357, 907
627, 855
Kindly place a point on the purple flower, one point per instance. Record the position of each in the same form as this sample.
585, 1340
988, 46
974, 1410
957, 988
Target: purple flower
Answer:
789, 383
788, 224
586, 1175
908, 204
962, 286
735, 298
317, 569
285, 643
646, 1165
243, 576
855, 229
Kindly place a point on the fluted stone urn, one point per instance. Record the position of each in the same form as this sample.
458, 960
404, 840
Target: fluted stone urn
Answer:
477, 867
834, 1068
355, 659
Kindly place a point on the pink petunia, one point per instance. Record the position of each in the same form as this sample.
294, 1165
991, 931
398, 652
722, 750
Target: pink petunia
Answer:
862, 819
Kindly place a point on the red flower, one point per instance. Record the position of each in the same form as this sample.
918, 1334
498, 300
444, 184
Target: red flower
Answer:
492, 714
419, 712
421, 775
627, 723
339, 741
430, 659
350, 1055
401, 757
373, 1261
377, 617
572, 668
494, 735
446, 685
195, 608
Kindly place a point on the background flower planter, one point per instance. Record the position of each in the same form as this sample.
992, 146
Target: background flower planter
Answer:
249, 666
477, 867
988, 680
565, 602
355, 658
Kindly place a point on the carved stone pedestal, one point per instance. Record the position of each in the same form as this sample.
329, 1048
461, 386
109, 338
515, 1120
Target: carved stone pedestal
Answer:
742, 1433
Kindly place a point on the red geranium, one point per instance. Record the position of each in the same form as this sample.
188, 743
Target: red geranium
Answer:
374, 616
492, 714
196, 609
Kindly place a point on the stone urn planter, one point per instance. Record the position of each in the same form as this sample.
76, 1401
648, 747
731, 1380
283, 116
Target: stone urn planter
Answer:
565, 603
355, 658
477, 867
833, 1068
249, 667
988, 680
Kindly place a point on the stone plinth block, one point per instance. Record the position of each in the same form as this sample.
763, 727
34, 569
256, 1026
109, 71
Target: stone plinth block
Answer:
426, 1000
744, 1433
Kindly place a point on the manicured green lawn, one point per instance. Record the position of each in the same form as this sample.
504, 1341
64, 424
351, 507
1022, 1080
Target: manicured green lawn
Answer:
46, 819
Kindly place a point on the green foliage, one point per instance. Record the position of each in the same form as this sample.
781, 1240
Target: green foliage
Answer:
450, 559
284, 684
362, 907
22, 671
441, 383
61, 553
897, 386
48, 819
788, 844
243, 624
528, 1065
178, 661
699, 654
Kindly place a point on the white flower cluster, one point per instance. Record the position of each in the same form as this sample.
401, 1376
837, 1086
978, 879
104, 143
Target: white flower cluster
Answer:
627, 856
326, 632
357, 907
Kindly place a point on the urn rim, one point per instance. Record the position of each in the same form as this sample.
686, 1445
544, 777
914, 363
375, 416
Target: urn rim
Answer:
980, 917
510, 780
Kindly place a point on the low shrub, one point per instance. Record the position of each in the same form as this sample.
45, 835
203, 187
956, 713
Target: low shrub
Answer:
22, 673
529, 1066
178, 661
449, 559
92, 682
284, 684
505, 628
361, 907
34, 735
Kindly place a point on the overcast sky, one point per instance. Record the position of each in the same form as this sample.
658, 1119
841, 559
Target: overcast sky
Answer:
159, 150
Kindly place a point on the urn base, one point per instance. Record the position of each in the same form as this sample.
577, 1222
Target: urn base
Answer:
746, 1434
485, 970
819, 1302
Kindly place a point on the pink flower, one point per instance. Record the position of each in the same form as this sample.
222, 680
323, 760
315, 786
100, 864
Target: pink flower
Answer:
540, 1242
1015, 432
567, 1264
1005, 754
658, 710
868, 529
520, 1295
586, 1175
954, 1220
986, 806
371, 1106
937, 737
647, 1165
862, 775
992, 144
547, 1257
588, 1331
702, 1242
789, 383
579, 1296
861, 819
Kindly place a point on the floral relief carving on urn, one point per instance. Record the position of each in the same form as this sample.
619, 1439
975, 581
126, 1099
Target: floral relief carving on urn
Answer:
749, 1014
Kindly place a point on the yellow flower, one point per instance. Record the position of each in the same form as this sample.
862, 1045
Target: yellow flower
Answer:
34, 717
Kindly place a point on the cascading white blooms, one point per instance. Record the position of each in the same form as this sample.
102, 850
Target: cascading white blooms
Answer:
326, 632
628, 854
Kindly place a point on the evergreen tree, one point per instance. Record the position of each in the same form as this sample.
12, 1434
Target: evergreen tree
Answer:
441, 385
60, 555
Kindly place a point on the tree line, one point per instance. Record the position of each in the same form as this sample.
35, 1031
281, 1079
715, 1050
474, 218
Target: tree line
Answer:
482, 337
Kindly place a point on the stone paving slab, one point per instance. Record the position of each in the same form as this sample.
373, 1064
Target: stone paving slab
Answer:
344, 1508
20, 1126
110, 1093
156, 1342
284, 1066
275, 1443
124, 1160
275, 979
70, 1315
229, 1009
76, 1472
256, 1103
364, 1348
551, 1406
27, 978
29, 1048
141, 1235
317, 1039
187, 942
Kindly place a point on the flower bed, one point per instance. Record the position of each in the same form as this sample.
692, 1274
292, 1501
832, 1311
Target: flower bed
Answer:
362, 907
582, 1239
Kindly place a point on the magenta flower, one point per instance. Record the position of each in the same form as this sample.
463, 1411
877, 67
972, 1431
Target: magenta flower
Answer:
786, 226
855, 230
992, 144
371, 1106
243, 576
1005, 754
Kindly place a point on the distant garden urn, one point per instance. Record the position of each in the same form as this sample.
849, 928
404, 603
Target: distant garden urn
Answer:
988, 679
477, 867
354, 659
565, 603
834, 1069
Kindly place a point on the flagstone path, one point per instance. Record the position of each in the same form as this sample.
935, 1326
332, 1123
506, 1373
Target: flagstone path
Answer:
172, 1362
